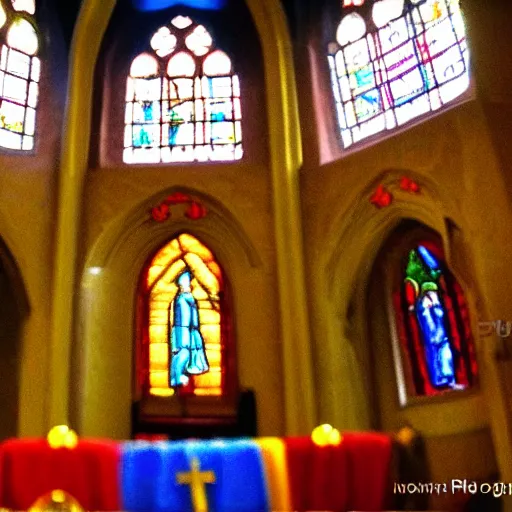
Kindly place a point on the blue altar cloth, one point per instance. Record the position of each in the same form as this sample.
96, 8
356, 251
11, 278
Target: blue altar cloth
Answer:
149, 476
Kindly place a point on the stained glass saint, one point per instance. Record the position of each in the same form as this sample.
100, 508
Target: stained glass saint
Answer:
438, 343
431, 316
188, 355
185, 341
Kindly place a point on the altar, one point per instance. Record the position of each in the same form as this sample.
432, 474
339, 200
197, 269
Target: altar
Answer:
326, 471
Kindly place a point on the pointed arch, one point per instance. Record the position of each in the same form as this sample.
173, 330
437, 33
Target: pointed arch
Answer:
116, 346
352, 243
393, 354
432, 333
189, 321
14, 309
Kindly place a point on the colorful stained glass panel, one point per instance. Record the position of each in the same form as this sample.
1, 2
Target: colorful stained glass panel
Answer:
180, 279
193, 98
436, 335
146, 135
12, 116
415, 62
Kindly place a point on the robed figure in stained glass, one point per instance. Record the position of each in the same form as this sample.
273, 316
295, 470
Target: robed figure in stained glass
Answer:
437, 345
422, 290
188, 355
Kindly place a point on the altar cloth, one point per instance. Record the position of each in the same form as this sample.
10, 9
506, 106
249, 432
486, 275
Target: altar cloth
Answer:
30, 468
149, 476
351, 475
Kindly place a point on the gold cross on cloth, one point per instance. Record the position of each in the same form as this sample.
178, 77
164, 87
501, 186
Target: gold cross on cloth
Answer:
197, 481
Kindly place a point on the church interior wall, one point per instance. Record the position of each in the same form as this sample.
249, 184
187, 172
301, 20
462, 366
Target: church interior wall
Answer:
445, 151
488, 26
27, 215
114, 189
257, 341
462, 158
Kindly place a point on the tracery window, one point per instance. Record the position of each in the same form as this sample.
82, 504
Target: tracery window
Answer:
396, 60
185, 346
19, 74
433, 325
182, 100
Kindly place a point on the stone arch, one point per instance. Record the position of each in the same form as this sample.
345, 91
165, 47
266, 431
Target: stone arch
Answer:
352, 244
458, 419
377, 326
14, 310
104, 350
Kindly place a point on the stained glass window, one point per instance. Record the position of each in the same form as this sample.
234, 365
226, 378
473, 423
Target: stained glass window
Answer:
19, 74
395, 60
184, 348
182, 100
433, 325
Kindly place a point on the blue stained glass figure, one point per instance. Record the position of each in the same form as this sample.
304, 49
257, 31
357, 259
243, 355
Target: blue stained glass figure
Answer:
430, 314
147, 108
141, 137
188, 356
174, 125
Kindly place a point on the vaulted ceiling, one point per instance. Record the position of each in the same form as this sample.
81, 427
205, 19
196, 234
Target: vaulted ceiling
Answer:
67, 12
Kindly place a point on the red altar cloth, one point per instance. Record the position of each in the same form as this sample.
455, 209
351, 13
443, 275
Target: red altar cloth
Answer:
29, 469
354, 475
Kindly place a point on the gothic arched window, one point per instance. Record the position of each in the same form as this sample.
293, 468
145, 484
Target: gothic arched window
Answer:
396, 60
182, 100
19, 74
433, 325
184, 323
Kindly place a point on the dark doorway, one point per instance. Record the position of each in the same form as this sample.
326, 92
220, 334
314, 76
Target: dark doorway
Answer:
13, 312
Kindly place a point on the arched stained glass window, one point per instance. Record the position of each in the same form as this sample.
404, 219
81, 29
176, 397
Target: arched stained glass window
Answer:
395, 60
433, 325
19, 74
185, 347
182, 100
